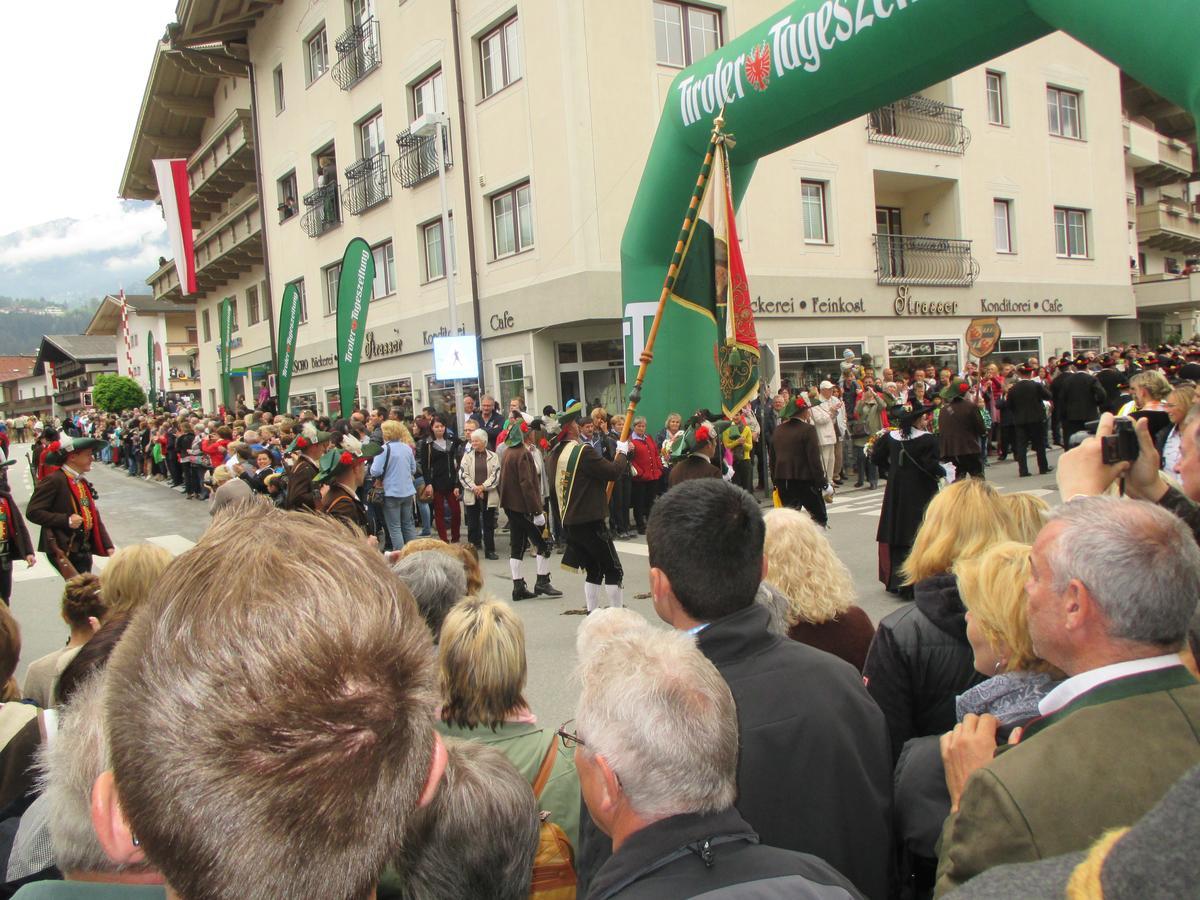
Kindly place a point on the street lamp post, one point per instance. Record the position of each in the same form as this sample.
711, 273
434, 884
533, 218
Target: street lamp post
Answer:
434, 124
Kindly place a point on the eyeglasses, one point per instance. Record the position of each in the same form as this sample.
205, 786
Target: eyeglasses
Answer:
570, 740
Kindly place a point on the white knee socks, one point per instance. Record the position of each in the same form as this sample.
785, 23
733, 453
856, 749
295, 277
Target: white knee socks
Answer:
615, 599
591, 593
515, 566
543, 565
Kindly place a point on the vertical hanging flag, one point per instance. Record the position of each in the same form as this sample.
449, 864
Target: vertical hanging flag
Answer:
354, 294
160, 381
289, 323
226, 321
151, 385
709, 315
175, 195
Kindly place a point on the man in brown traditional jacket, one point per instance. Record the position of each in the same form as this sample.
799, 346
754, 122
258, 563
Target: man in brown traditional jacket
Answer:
1125, 724
521, 500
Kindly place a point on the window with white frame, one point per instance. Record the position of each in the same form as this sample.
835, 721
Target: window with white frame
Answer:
1082, 343
1015, 350
316, 53
512, 221
303, 301
397, 393
288, 199
385, 270
333, 403
277, 81
997, 114
684, 32
815, 216
1063, 110
332, 275
1070, 232
1002, 220
372, 139
435, 250
500, 56
804, 365
298, 403
252, 312
428, 95
510, 379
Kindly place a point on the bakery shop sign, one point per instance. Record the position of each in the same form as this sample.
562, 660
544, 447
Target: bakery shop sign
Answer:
905, 305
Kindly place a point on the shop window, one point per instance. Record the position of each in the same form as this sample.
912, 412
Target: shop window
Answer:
1014, 350
807, 365
440, 395
1082, 343
904, 356
298, 403
397, 393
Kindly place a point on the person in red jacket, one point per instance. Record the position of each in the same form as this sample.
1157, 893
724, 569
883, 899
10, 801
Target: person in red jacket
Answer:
214, 445
647, 469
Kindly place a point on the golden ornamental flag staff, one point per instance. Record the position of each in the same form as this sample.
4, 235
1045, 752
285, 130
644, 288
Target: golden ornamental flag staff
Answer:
708, 292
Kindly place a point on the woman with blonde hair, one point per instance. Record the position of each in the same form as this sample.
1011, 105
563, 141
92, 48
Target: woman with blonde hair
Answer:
1177, 405
920, 659
130, 575
1028, 514
816, 587
482, 671
993, 591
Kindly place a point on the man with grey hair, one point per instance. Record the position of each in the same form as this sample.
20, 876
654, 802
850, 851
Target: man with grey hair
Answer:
68, 767
1112, 589
656, 747
436, 581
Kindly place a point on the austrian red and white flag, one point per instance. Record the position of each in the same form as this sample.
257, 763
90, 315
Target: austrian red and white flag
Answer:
177, 210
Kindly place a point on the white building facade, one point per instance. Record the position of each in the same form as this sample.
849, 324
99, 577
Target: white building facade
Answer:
1001, 191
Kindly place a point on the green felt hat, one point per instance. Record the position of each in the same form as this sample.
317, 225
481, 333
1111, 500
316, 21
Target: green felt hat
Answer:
697, 435
515, 434
572, 412
336, 460
303, 441
76, 444
956, 388
795, 405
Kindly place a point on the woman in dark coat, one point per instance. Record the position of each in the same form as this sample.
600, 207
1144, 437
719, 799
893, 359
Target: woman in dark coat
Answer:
439, 454
910, 458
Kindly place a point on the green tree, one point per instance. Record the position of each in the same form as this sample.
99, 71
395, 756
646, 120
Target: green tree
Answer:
115, 393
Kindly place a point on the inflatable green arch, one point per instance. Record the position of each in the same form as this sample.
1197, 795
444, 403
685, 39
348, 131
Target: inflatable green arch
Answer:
827, 62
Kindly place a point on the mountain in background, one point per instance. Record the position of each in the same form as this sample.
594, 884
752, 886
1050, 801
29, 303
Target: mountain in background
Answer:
71, 261
23, 322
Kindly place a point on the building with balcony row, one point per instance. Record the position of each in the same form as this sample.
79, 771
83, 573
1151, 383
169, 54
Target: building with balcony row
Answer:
168, 328
1001, 191
69, 363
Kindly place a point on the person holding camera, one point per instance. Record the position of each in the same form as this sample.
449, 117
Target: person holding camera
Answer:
1124, 449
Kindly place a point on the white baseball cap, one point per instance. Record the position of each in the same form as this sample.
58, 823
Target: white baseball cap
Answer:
826, 385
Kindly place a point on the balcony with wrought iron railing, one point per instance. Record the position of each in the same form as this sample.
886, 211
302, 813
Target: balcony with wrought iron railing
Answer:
926, 261
358, 53
416, 157
920, 123
323, 213
368, 183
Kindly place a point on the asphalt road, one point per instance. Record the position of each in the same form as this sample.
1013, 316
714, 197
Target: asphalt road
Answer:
137, 510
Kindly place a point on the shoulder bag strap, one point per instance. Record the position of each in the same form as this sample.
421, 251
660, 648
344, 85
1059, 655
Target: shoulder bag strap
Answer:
543, 775
906, 456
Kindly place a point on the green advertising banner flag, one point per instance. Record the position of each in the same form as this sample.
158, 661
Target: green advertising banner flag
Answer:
226, 319
816, 64
354, 294
150, 393
289, 324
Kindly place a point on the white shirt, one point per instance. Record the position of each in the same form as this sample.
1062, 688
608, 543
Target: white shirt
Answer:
1078, 685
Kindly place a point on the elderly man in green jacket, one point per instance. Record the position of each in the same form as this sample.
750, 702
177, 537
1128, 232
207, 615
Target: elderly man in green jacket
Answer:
1113, 587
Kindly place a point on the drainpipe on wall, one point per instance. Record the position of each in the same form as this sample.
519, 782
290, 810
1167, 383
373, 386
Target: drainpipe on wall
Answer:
467, 191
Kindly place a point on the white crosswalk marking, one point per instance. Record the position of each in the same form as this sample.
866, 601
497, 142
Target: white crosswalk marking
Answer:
176, 543
870, 504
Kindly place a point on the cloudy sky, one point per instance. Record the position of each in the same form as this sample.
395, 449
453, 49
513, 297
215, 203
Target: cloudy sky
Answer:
73, 72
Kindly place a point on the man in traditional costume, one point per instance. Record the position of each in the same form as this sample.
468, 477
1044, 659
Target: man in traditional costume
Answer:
521, 500
581, 476
64, 504
311, 444
342, 469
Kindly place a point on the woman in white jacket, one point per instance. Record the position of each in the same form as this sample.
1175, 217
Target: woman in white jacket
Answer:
479, 474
